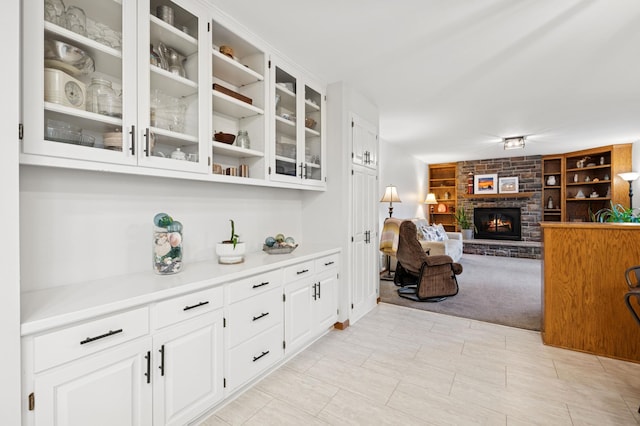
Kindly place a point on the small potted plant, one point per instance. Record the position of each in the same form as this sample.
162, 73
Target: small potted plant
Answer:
617, 213
231, 251
465, 224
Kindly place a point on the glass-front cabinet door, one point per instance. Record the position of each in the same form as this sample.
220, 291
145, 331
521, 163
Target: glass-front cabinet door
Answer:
79, 90
286, 163
298, 128
313, 168
173, 74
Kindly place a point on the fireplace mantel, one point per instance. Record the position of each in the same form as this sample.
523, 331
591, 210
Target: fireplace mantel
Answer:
497, 196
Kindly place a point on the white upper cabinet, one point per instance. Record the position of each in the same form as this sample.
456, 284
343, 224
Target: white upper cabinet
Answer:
238, 95
166, 85
63, 115
297, 129
173, 79
365, 144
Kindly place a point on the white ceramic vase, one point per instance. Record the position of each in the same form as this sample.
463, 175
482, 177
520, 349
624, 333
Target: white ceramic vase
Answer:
228, 254
467, 234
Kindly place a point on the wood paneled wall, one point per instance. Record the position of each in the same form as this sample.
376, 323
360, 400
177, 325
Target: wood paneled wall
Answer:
583, 288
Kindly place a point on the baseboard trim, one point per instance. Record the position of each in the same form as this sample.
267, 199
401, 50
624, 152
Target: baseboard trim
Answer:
341, 325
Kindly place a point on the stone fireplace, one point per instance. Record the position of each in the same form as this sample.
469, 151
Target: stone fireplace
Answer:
496, 223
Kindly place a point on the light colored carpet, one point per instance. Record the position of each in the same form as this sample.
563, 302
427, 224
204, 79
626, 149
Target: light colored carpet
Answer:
500, 290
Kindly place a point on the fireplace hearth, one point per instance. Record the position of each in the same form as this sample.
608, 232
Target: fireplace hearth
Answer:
495, 223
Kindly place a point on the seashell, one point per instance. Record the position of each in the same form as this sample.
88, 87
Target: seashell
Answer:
175, 239
162, 248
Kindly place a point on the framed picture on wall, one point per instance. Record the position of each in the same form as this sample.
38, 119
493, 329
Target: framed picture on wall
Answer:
485, 184
508, 185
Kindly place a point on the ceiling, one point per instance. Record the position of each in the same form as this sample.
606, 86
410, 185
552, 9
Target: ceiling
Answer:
452, 78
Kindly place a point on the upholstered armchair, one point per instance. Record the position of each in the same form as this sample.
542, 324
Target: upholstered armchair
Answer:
421, 277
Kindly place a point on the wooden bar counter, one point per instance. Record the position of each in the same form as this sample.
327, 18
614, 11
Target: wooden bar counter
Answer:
583, 288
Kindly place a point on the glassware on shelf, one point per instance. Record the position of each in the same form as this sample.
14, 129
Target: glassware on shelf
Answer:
154, 58
102, 99
76, 20
167, 112
54, 12
243, 140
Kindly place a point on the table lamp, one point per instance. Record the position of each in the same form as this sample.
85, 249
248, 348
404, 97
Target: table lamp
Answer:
431, 200
390, 196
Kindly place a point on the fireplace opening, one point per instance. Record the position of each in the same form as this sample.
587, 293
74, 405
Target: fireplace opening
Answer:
497, 223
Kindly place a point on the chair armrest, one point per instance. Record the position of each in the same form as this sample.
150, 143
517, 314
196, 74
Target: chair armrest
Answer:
454, 235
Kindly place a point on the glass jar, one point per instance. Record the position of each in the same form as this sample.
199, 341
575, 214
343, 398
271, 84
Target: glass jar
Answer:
243, 139
167, 250
101, 97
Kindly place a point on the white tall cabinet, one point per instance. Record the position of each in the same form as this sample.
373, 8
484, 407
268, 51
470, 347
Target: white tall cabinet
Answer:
364, 190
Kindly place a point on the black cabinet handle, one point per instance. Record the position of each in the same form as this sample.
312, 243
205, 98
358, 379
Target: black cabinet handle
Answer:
148, 373
161, 367
133, 139
255, 358
186, 308
260, 316
102, 336
314, 291
329, 263
147, 149
302, 272
319, 286
260, 285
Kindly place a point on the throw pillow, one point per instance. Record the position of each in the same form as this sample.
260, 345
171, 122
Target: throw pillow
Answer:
430, 233
441, 232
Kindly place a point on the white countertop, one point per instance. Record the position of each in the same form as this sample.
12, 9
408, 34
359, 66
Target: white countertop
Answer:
45, 309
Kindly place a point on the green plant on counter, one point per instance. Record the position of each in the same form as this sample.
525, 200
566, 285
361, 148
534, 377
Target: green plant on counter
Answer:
617, 213
463, 221
234, 237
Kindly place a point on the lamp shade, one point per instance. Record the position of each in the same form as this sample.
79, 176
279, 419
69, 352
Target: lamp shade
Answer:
629, 176
390, 195
431, 199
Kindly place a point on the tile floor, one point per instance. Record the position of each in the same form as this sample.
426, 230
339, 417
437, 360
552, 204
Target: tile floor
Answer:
400, 366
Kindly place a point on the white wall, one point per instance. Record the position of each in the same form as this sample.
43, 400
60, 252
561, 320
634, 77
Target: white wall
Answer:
10, 395
409, 175
80, 225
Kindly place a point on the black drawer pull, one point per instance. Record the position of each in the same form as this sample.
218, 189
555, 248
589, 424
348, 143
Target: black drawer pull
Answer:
102, 336
186, 308
148, 373
255, 358
302, 272
260, 316
329, 263
261, 284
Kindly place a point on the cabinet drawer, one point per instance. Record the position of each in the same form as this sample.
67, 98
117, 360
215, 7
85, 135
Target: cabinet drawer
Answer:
300, 270
250, 358
327, 263
254, 315
184, 307
73, 342
256, 284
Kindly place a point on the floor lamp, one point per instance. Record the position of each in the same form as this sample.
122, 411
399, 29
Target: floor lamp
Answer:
630, 177
390, 196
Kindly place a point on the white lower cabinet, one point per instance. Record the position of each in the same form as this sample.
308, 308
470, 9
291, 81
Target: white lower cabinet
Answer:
310, 302
170, 361
187, 376
109, 388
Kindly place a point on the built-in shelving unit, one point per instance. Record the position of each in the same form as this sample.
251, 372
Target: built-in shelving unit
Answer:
443, 183
581, 183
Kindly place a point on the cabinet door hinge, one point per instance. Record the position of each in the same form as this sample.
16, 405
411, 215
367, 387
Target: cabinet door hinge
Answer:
284, 297
32, 401
325, 179
224, 322
352, 124
208, 27
337, 311
284, 345
338, 276
325, 98
20, 131
209, 161
224, 382
269, 64
269, 169
352, 172
351, 239
352, 306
